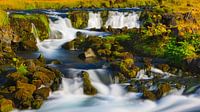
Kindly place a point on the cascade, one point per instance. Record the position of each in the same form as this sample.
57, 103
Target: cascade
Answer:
123, 19
95, 20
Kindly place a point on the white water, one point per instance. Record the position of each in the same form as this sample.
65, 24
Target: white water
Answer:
111, 97
62, 32
115, 20
123, 19
95, 20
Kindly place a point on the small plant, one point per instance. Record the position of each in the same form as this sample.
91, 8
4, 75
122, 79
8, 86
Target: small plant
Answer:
22, 69
178, 51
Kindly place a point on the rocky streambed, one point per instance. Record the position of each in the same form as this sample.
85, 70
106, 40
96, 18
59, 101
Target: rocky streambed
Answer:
72, 61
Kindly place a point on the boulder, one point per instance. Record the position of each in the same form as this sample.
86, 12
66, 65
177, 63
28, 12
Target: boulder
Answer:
6, 105
42, 93
43, 77
15, 76
89, 53
25, 86
37, 103
88, 88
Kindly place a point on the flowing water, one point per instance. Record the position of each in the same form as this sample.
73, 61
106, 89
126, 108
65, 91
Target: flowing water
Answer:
111, 97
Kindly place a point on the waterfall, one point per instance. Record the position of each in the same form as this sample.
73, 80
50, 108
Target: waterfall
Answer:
95, 20
123, 19
62, 32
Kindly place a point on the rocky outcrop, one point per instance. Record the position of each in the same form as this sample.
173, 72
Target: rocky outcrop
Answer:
28, 28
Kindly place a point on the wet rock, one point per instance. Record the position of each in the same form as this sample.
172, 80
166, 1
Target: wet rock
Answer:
47, 72
37, 103
69, 45
41, 58
42, 92
163, 89
164, 67
23, 99
89, 53
88, 88
149, 95
37, 83
31, 66
27, 87
55, 62
30, 45
6, 105
15, 76
193, 65
43, 77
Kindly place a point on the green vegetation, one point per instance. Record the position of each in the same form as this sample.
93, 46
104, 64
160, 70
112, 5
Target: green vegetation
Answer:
4, 19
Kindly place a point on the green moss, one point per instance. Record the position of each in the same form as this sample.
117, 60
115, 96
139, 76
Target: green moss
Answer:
88, 88
163, 89
21, 23
79, 19
4, 19
6, 105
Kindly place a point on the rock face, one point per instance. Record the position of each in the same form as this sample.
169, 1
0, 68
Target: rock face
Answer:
29, 89
23, 27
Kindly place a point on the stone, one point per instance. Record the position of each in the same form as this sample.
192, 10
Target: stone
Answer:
37, 103
88, 88
15, 76
25, 86
6, 105
163, 89
42, 92
89, 53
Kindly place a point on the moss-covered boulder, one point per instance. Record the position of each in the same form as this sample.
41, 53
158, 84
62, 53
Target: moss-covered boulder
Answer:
88, 88
43, 77
42, 93
28, 28
16, 76
148, 95
25, 86
163, 89
37, 103
23, 98
6, 105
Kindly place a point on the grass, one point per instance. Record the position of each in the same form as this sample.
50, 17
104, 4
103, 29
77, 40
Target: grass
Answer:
4, 20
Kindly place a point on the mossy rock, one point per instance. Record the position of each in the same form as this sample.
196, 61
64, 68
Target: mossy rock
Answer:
47, 72
163, 89
79, 19
31, 66
37, 103
28, 87
23, 98
6, 105
15, 76
24, 23
37, 83
164, 67
149, 95
88, 88
43, 77
22, 26
42, 92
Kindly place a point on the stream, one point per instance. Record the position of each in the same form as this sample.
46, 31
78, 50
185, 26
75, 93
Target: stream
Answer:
111, 97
